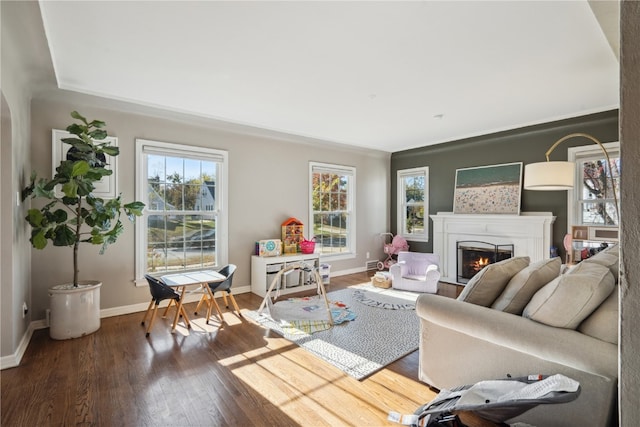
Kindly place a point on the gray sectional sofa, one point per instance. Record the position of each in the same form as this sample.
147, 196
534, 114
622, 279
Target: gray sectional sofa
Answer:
515, 319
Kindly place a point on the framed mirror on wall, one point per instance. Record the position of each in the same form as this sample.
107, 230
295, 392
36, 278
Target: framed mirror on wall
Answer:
107, 187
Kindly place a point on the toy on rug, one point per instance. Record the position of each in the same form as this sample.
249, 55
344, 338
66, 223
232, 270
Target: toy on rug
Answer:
304, 315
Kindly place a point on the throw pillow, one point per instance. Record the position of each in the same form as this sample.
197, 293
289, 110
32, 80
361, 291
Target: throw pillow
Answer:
609, 260
488, 283
525, 283
567, 300
603, 322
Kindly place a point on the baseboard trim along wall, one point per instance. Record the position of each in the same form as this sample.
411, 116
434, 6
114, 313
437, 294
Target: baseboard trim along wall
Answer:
13, 360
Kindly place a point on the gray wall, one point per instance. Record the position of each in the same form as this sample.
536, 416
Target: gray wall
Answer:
14, 161
630, 206
525, 145
268, 182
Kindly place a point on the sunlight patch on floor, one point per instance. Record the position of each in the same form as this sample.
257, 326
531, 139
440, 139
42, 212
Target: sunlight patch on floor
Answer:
407, 389
231, 318
198, 325
239, 359
279, 370
390, 292
285, 387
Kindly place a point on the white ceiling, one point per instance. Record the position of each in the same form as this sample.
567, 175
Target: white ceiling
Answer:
384, 75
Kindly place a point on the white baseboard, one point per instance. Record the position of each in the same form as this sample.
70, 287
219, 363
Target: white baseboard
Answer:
349, 271
13, 360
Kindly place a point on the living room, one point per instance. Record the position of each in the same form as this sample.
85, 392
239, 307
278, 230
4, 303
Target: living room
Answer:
274, 178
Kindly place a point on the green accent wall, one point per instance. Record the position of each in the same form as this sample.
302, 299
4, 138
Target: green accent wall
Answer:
527, 145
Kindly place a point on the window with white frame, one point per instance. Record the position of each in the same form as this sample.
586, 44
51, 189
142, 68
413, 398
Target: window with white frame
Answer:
332, 208
184, 225
413, 203
592, 201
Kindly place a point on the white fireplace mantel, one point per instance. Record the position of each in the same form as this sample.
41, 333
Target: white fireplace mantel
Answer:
529, 233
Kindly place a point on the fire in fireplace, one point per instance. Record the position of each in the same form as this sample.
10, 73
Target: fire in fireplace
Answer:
473, 256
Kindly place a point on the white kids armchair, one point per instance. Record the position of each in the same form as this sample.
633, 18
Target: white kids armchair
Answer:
416, 271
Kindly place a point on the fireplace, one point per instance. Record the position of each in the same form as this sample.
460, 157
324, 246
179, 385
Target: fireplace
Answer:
529, 233
474, 255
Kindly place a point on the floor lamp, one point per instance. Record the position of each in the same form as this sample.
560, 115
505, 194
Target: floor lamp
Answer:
560, 175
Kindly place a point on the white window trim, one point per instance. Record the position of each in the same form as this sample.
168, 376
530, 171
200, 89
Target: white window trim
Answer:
144, 146
351, 232
400, 225
574, 154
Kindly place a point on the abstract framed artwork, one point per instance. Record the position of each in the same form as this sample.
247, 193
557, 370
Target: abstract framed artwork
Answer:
106, 188
494, 189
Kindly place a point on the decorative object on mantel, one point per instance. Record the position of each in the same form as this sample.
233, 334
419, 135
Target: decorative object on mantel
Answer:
559, 175
491, 189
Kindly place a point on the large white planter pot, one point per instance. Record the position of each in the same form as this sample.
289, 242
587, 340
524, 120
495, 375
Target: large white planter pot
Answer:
75, 312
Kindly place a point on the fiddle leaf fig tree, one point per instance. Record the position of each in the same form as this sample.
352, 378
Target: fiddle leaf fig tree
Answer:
76, 216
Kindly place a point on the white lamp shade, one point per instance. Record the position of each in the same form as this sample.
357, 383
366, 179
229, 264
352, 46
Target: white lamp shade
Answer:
549, 176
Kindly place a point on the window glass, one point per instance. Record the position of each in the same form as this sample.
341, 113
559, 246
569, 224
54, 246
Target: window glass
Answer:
593, 201
413, 207
332, 208
183, 221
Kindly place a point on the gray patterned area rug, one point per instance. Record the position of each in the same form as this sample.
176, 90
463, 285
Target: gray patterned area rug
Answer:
377, 337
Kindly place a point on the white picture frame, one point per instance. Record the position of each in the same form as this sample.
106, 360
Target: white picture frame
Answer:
107, 187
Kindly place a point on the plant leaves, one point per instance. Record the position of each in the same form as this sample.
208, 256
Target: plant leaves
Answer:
70, 201
111, 236
34, 217
85, 187
75, 129
111, 151
42, 190
78, 116
64, 236
97, 123
76, 175
80, 168
38, 239
70, 189
59, 216
133, 209
98, 134
76, 143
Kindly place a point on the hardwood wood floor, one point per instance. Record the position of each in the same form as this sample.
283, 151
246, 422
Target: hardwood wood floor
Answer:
237, 375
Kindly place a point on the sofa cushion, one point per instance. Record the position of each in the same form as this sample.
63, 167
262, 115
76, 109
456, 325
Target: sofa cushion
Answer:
525, 283
603, 322
609, 259
488, 283
569, 299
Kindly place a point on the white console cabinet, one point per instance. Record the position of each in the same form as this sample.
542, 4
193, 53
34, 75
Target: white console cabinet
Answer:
265, 269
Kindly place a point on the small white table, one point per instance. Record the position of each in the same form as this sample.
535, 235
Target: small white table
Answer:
180, 281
